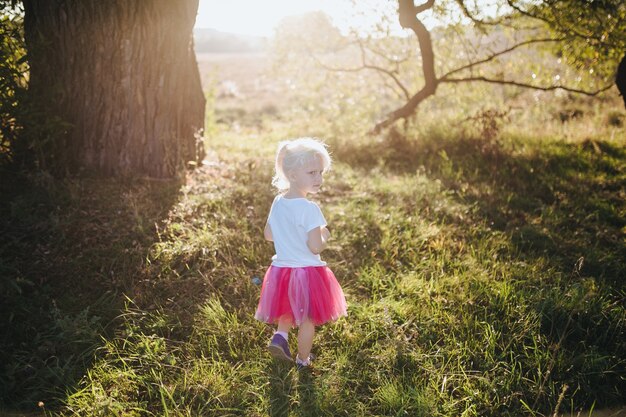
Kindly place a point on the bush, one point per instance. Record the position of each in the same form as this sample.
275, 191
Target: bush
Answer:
27, 131
13, 82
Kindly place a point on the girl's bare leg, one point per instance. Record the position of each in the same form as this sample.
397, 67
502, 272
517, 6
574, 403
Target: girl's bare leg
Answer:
278, 346
284, 324
306, 332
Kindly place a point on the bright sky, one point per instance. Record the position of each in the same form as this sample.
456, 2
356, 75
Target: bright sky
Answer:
259, 17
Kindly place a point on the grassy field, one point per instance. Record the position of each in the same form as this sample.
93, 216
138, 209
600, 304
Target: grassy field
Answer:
484, 272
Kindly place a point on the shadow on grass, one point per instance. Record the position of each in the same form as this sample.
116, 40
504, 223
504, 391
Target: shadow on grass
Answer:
283, 399
95, 263
68, 249
561, 209
281, 388
309, 401
564, 202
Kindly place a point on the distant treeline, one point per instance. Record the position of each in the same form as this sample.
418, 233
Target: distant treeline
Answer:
211, 40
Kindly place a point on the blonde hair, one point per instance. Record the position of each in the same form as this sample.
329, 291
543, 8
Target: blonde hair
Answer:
292, 154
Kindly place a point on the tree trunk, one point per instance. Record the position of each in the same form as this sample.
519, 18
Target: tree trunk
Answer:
407, 15
620, 78
123, 75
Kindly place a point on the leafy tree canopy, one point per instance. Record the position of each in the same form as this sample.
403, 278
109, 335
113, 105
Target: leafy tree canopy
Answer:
593, 32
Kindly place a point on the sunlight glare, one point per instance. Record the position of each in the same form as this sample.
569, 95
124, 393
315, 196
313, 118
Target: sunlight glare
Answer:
256, 18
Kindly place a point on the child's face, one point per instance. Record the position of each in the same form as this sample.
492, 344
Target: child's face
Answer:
308, 177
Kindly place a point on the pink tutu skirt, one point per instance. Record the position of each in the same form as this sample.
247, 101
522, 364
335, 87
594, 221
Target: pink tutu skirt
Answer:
310, 292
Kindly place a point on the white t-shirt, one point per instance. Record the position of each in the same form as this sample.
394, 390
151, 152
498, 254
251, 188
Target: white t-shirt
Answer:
290, 220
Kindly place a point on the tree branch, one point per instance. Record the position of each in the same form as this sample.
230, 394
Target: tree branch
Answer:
407, 14
396, 62
497, 54
525, 85
405, 111
384, 71
408, 11
478, 21
571, 32
423, 7
364, 66
406, 93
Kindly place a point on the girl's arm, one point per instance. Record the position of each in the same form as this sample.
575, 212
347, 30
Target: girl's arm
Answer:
268, 232
317, 239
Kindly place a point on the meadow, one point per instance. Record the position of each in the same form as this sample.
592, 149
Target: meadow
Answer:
483, 259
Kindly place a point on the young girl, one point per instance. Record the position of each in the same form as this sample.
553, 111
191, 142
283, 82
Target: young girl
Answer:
298, 289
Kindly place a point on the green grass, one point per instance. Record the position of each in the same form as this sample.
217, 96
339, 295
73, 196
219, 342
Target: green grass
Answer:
484, 278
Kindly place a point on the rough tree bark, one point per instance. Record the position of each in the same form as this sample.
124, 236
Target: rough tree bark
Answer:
124, 75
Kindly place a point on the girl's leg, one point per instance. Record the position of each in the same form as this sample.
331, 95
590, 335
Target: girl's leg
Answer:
285, 324
279, 346
305, 339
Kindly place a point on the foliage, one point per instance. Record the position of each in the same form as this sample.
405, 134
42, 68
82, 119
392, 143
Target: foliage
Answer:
590, 32
512, 44
595, 31
27, 131
13, 81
